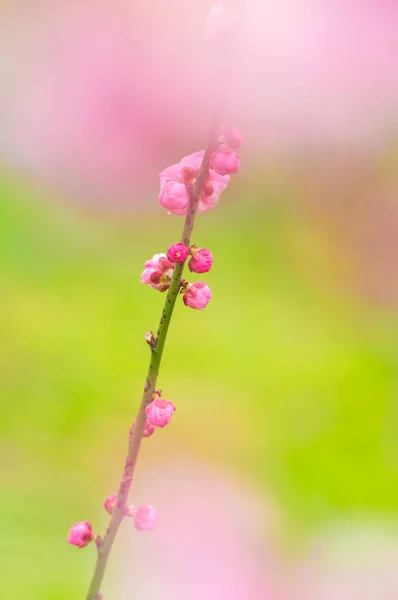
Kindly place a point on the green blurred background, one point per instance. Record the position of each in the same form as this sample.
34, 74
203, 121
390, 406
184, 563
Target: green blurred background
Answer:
287, 380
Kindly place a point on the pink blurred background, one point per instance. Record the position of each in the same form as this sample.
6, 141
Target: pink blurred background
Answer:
93, 93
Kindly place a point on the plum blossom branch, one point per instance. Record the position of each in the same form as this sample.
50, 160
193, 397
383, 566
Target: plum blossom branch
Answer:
189, 187
196, 297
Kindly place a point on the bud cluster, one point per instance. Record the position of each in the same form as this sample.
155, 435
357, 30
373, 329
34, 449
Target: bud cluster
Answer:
159, 270
177, 181
145, 518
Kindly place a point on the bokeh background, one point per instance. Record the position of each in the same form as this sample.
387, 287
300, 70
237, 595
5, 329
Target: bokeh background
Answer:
278, 476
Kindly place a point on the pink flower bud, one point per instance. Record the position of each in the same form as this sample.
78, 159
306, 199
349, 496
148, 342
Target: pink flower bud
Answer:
225, 161
177, 253
159, 412
81, 534
148, 429
201, 261
110, 502
197, 295
232, 137
219, 20
158, 272
174, 197
146, 517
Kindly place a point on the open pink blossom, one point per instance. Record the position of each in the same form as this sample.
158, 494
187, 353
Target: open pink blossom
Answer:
159, 412
158, 272
174, 179
219, 20
178, 253
145, 516
201, 261
225, 161
197, 295
81, 534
